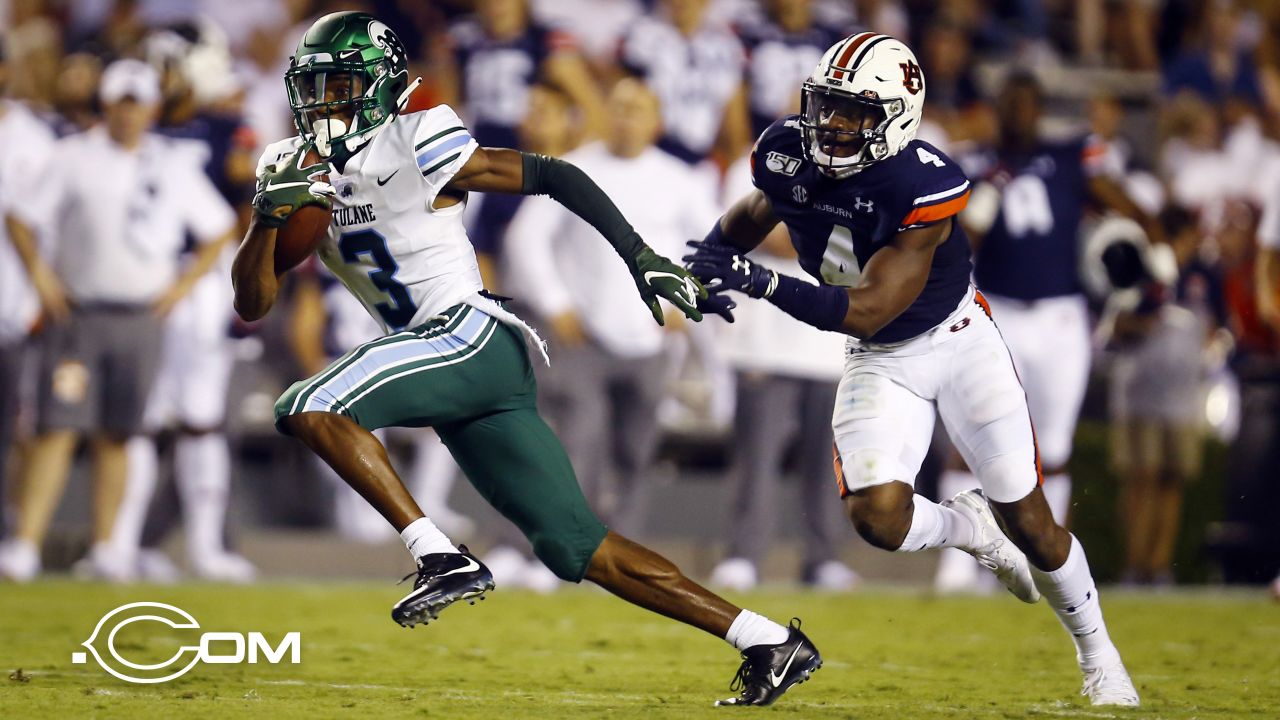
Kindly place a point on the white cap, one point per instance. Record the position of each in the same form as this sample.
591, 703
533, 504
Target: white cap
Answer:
129, 79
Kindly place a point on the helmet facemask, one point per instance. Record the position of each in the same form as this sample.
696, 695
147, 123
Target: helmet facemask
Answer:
844, 133
335, 101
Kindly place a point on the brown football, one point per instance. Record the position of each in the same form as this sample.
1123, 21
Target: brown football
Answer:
305, 229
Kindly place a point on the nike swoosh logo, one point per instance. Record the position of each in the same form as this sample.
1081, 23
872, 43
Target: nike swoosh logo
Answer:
777, 679
689, 294
471, 565
281, 186
382, 182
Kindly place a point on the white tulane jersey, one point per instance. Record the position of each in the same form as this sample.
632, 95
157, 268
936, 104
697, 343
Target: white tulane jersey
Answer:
405, 260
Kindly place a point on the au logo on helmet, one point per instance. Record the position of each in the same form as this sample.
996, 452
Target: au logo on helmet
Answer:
912, 78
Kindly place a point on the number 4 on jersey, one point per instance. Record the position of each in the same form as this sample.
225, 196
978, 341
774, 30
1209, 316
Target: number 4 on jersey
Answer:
839, 263
929, 158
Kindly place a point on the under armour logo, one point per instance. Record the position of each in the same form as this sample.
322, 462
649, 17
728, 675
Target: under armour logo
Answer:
865, 205
741, 263
960, 325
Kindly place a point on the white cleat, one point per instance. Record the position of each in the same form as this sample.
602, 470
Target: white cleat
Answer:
1110, 685
993, 549
735, 574
19, 561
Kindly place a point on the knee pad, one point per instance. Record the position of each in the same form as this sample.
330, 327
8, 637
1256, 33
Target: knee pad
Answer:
1009, 478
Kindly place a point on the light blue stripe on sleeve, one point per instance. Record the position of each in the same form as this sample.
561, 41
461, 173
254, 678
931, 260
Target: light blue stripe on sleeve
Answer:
437, 151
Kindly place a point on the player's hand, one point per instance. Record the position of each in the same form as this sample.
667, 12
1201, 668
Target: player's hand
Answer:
722, 268
718, 302
657, 277
288, 186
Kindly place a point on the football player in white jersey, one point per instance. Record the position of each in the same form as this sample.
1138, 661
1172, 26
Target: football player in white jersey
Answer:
454, 358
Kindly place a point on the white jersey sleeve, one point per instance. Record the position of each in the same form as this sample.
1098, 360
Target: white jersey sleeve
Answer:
441, 146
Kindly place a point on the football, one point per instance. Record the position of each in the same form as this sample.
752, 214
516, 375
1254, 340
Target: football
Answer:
303, 231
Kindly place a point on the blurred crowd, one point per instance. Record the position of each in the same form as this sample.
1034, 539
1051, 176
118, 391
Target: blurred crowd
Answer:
129, 134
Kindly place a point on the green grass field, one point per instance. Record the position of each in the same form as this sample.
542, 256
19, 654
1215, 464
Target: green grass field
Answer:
889, 654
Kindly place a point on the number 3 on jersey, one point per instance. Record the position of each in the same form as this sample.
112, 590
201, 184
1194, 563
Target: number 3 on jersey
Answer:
398, 313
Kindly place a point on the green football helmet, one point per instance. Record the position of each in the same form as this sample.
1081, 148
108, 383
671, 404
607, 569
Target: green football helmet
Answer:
348, 78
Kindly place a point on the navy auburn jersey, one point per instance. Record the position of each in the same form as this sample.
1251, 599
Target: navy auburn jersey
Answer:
1032, 249
496, 75
837, 225
778, 62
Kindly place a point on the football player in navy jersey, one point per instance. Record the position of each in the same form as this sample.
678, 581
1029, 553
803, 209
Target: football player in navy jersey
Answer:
1026, 240
871, 212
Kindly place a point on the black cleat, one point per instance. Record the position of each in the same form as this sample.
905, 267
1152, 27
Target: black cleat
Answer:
767, 671
442, 579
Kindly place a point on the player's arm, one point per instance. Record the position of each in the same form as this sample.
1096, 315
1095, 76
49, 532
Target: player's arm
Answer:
746, 223
890, 282
253, 273
1111, 196
510, 171
53, 297
283, 188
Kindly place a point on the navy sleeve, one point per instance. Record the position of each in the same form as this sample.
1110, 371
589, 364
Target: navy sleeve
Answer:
938, 188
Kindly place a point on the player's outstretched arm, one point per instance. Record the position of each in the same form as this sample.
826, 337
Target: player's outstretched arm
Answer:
511, 171
890, 282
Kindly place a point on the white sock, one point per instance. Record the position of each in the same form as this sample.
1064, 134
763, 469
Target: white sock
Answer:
1057, 492
139, 487
750, 629
1071, 593
422, 537
934, 526
203, 465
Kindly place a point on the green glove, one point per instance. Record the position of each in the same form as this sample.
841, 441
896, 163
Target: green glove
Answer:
657, 277
287, 187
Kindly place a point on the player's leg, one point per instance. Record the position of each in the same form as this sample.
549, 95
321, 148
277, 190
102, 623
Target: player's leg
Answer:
1051, 347
431, 374
519, 466
763, 423
984, 410
883, 424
